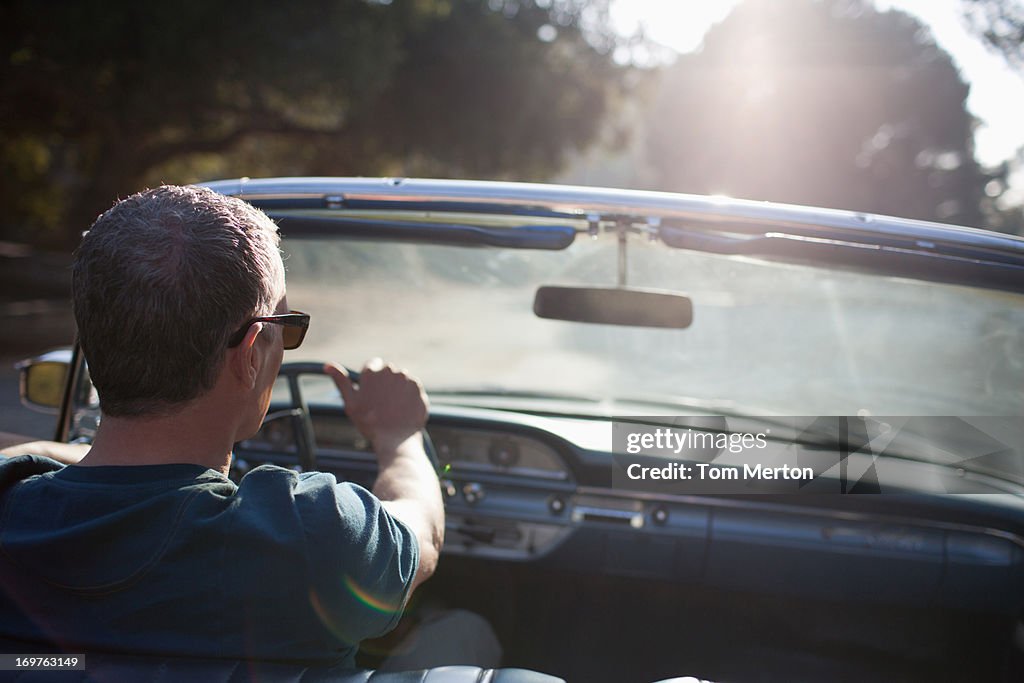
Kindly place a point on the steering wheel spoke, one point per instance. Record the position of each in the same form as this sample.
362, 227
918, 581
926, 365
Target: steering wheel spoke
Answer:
305, 435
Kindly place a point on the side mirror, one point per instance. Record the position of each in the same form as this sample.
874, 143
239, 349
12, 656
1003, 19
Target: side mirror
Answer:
41, 381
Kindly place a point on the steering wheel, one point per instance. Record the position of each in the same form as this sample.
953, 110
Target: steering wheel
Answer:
299, 410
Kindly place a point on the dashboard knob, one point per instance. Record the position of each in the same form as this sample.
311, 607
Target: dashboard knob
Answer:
448, 488
660, 515
556, 505
473, 492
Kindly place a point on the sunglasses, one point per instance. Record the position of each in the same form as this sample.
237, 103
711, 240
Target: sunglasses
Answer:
295, 325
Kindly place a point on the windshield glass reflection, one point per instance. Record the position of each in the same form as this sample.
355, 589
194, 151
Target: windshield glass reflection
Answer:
766, 338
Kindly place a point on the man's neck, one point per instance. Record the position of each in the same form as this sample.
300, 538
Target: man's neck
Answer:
193, 434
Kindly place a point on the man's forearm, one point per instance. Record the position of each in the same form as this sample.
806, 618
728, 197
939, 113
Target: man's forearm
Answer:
407, 487
12, 445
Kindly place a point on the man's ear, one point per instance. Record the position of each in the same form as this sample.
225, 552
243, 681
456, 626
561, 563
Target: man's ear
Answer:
243, 360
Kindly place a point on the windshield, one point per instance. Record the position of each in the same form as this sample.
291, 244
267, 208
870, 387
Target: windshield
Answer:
766, 338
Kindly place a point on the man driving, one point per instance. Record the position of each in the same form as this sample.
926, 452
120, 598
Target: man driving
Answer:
145, 546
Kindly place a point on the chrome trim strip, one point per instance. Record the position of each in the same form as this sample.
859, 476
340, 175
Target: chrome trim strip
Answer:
589, 513
840, 515
257, 196
583, 200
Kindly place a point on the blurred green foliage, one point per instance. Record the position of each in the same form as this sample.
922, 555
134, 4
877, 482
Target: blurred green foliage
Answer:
821, 102
99, 99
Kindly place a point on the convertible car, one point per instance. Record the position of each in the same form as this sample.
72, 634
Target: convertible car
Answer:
675, 434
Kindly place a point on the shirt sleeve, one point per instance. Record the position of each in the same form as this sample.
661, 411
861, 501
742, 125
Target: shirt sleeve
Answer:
360, 560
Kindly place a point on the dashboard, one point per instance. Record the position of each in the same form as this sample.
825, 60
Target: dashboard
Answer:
538, 490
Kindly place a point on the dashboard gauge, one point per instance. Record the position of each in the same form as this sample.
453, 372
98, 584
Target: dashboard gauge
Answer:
504, 452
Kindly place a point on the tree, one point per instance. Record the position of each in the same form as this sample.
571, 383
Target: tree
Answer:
99, 99
1000, 24
823, 102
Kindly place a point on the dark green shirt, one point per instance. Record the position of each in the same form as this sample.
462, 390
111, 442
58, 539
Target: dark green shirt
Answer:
177, 560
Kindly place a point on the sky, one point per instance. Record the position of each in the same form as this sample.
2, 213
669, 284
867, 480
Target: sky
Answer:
996, 97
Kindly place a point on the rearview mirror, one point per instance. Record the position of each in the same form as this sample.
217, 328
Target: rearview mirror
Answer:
41, 384
614, 306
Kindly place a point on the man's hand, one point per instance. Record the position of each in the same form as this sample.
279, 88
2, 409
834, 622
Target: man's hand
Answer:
387, 407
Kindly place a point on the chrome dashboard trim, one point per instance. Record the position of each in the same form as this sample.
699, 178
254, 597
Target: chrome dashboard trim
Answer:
839, 515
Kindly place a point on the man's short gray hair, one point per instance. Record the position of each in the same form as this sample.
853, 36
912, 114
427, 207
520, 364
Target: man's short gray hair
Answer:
160, 283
